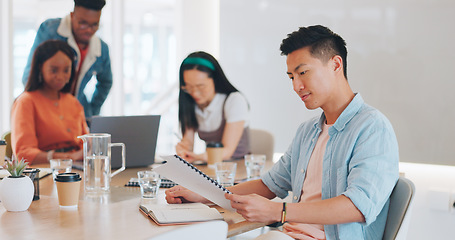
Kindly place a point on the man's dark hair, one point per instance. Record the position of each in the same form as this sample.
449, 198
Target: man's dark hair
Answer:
323, 43
96, 5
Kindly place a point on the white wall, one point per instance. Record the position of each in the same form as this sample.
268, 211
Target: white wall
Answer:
399, 59
198, 27
433, 216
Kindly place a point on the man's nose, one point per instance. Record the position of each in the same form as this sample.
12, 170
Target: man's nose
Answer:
298, 85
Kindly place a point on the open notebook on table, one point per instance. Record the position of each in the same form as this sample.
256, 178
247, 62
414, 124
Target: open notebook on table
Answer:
185, 213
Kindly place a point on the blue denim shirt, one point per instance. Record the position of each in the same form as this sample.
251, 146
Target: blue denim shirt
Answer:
360, 162
97, 58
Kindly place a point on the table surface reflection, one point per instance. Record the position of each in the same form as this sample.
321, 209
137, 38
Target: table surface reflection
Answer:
114, 215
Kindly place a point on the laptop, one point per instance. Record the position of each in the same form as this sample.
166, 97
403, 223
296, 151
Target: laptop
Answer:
138, 133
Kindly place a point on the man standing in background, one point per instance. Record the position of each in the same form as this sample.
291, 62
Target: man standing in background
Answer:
92, 54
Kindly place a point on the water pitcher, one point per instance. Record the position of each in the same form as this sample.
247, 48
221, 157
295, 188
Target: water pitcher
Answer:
97, 161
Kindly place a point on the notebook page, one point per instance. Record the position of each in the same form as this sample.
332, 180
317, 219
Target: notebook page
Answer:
186, 215
152, 207
179, 172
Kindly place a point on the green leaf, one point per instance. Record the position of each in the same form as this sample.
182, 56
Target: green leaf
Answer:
15, 167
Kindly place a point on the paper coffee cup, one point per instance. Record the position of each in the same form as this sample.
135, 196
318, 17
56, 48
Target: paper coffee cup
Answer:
68, 187
214, 153
2, 152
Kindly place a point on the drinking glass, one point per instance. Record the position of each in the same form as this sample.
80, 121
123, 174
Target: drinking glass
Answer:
60, 166
254, 165
149, 181
225, 173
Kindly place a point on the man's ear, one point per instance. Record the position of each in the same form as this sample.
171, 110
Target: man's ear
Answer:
337, 63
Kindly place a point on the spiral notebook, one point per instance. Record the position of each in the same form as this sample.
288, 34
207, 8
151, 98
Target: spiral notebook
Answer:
185, 174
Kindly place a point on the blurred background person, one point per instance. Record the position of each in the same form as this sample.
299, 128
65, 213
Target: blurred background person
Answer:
92, 54
46, 119
210, 106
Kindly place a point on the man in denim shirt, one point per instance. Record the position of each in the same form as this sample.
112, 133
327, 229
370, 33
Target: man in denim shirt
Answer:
78, 30
341, 167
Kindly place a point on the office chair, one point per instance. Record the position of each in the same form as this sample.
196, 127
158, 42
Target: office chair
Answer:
399, 210
213, 230
262, 142
9, 151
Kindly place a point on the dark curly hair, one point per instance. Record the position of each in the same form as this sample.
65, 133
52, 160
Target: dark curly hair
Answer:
96, 5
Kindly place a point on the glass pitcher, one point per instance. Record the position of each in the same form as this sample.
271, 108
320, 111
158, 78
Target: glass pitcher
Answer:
97, 161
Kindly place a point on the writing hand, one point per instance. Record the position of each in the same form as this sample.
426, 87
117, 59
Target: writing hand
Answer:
183, 150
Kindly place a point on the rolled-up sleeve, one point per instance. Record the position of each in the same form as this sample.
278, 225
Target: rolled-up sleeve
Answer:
372, 171
278, 178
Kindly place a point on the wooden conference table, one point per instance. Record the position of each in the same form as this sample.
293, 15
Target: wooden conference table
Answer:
114, 215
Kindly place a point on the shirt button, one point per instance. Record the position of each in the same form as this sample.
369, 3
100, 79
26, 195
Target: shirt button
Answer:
56, 104
61, 117
295, 197
68, 129
301, 170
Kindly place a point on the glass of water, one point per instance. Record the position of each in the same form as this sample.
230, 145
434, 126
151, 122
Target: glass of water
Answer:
254, 164
225, 173
60, 166
149, 181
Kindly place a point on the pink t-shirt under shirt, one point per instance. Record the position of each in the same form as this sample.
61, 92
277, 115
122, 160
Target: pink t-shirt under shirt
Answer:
311, 191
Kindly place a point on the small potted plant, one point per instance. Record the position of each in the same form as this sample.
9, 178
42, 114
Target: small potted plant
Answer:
16, 191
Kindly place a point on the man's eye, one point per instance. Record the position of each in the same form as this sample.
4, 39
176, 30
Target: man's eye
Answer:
301, 73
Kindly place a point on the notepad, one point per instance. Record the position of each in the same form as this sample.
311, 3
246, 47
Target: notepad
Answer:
185, 174
165, 183
185, 213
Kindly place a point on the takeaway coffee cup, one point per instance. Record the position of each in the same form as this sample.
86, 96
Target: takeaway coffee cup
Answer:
2, 152
68, 187
214, 153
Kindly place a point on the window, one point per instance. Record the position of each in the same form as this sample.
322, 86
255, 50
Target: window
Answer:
148, 83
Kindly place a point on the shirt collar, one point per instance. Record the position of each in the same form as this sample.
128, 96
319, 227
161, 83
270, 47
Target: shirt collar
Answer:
213, 105
64, 29
348, 113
